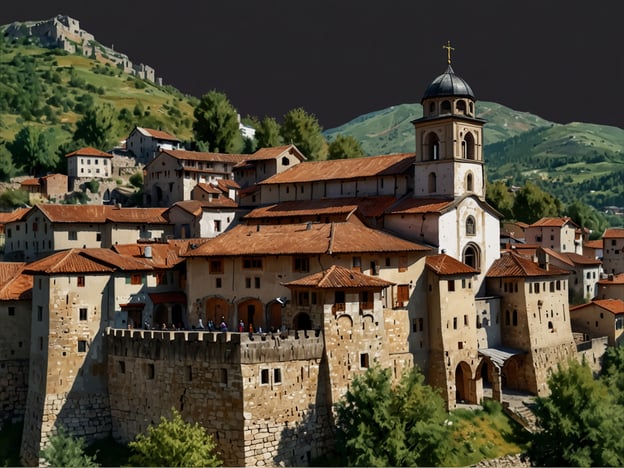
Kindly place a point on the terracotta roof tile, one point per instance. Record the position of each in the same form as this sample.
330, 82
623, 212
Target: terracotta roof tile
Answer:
15, 215
137, 215
85, 261
616, 279
511, 264
367, 206
444, 265
227, 184
615, 306
553, 222
163, 255
339, 277
89, 151
594, 244
101, 214
14, 284
346, 169
309, 238
614, 233
199, 156
274, 152
420, 205
159, 134
208, 188
27, 182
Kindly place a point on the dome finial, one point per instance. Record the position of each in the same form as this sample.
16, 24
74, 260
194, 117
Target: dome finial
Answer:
448, 51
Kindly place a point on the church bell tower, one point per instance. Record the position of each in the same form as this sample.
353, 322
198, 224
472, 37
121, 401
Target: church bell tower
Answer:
449, 140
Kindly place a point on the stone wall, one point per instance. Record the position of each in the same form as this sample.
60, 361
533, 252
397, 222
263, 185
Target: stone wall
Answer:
258, 395
13, 390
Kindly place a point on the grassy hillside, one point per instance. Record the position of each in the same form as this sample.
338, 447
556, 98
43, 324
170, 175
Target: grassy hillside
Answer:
390, 130
51, 89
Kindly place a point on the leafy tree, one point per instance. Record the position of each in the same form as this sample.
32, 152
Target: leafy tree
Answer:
580, 422
65, 450
381, 425
31, 151
136, 180
344, 147
613, 371
174, 442
216, 123
12, 198
92, 185
268, 133
532, 203
587, 217
499, 196
95, 128
303, 130
7, 168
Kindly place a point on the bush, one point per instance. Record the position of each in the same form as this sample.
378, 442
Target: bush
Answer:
93, 186
65, 450
136, 180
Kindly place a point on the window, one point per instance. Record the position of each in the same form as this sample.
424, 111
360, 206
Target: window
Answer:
251, 263
121, 365
72, 235
218, 283
161, 277
223, 377
217, 225
471, 229
135, 278
216, 266
301, 264
515, 317
402, 263
364, 363
277, 375
11, 311
151, 371
451, 285
80, 281
82, 346
303, 298
432, 182
264, 376
248, 283
83, 313
357, 264
257, 282
454, 323
39, 313
402, 295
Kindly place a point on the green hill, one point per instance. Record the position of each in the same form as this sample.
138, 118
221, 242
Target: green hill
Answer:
51, 89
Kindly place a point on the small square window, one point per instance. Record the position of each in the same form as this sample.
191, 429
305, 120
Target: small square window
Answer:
264, 376
216, 266
80, 281
82, 346
121, 366
277, 375
83, 313
364, 363
151, 371
11, 311
218, 283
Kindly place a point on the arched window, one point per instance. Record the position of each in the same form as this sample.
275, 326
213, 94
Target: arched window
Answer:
432, 107
507, 317
446, 107
433, 146
285, 161
471, 107
471, 228
469, 182
432, 183
468, 146
471, 256
515, 318
461, 106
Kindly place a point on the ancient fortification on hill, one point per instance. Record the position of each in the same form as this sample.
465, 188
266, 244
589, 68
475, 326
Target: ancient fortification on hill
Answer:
64, 33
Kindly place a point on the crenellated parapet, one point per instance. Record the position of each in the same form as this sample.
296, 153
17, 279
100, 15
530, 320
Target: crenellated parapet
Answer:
214, 347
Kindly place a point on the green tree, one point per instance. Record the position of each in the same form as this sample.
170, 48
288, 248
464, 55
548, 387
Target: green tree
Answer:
587, 217
344, 147
32, 152
216, 123
136, 180
268, 133
64, 450
381, 425
303, 130
7, 168
96, 128
532, 203
174, 442
580, 423
499, 196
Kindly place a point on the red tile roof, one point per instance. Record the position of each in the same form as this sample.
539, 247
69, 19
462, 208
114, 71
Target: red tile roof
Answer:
15, 215
89, 151
614, 233
367, 206
85, 261
444, 265
553, 222
158, 134
339, 277
615, 306
511, 264
594, 244
101, 214
274, 152
420, 205
308, 238
199, 156
163, 255
14, 285
616, 279
208, 188
372, 166
34, 182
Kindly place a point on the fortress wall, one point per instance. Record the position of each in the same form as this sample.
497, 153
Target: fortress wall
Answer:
225, 381
13, 390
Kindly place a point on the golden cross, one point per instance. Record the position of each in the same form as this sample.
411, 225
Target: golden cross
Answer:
448, 51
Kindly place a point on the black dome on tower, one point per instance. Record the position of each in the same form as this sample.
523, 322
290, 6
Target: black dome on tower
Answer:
448, 84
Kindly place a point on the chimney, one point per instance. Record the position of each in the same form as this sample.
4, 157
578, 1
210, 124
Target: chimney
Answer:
147, 253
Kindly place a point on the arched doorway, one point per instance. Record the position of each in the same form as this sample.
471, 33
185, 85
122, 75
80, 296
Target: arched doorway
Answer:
462, 383
177, 316
250, 312
302, 321
217, 307
161, 315
471, 256
275, 315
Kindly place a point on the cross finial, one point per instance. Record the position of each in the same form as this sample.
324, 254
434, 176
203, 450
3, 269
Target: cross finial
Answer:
448, 51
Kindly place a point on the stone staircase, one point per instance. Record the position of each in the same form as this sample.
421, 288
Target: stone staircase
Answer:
522, 413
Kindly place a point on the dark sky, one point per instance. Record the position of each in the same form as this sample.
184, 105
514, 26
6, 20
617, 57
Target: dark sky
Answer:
559, 59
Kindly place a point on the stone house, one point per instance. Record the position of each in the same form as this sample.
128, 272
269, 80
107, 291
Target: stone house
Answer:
593, 248
611, 286
193, 219
613, 250
598, 318
47, 228
89, 163
559, 234
51, 186
146, 143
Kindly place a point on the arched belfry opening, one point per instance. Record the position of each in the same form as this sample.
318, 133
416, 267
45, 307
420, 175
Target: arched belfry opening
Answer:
469, 182
472, 256
468, 146
432, 183
433, 146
